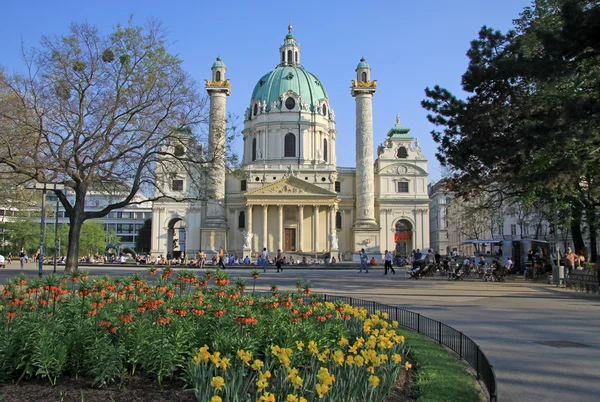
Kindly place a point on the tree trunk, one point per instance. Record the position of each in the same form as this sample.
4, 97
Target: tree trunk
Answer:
578, 242
76, 220
590, 216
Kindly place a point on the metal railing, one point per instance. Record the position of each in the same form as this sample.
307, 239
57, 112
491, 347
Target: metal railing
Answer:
445, 335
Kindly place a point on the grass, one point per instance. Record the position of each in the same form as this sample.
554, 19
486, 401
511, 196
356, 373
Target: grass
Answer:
439, 375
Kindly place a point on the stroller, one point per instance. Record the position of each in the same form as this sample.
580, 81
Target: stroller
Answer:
421, 271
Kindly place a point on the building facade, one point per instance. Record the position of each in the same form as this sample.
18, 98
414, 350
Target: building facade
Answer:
290, 194
439, 200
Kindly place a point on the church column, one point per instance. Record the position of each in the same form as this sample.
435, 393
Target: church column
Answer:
280, 214
300, 226
332, 228
249, 218
316, 228
265, 239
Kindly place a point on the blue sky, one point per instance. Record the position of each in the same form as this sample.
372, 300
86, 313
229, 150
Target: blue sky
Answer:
409, 44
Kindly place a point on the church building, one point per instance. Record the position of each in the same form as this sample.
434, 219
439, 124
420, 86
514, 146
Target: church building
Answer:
291, 194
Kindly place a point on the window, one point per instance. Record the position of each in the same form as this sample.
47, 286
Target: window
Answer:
325, 149
253, 149
364, 76
513, 230
179, 151
338, 220
402, 153
218, 76
403, 187
127, 239
177, 185
501, 230
290, 57
290, 103
324, 110
242, 220
289, 143
338, 187
243, 185
119, 215
525, 230
296, 57
283, 57
255, 111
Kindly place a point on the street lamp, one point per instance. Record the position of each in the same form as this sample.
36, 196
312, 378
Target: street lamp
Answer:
44, 187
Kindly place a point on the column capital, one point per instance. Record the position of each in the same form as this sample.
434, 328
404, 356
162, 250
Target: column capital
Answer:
280, 207
265, 206
316, 207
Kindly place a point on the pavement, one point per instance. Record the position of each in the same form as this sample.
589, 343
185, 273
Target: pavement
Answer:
508, 320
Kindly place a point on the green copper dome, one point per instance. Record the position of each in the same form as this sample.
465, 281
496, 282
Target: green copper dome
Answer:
363, 64
273, 85
218, 63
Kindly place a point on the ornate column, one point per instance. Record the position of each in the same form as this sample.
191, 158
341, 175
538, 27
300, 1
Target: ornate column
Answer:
333, 239
300, 226
265, 232
249, 217
280, 214
248, 235
316, 228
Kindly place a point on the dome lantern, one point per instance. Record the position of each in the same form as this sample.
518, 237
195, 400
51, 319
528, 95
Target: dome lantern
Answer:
289, 51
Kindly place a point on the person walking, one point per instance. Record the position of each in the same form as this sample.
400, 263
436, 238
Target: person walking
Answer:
221, 255
279, 260
201, 259
265, 256
363, 261
569, 262
388, 262
22, 255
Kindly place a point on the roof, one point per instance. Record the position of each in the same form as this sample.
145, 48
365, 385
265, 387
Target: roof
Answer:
218, 63
273, 85
363, 64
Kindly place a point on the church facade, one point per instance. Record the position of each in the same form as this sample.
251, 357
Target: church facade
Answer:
291, 194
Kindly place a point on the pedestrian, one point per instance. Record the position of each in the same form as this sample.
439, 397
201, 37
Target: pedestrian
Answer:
9, 257
265, 256
363, 261
201, 259
569, 262
221, 255
388, 262
279, 260
22, 256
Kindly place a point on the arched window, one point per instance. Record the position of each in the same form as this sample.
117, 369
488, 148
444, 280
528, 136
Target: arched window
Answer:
325, 149
364, 76
290, 103
290, 57
289, 145
218, 76
255, 108
338, 220
253, 149
402, 153
179, 151
296, 57
324, 110
283, 57
242, 220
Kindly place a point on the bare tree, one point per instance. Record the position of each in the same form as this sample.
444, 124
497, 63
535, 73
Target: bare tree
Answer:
104, 113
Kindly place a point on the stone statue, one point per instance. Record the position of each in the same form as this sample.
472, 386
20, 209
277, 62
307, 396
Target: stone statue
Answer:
318, 154
305, 106
417, 146
334, 240
263, 106
248, 175
274, 106
247, 238
397, 119
258, 153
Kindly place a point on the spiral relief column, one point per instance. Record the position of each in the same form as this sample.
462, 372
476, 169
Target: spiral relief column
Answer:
366, 229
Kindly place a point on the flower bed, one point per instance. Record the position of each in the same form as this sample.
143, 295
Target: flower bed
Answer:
224, 343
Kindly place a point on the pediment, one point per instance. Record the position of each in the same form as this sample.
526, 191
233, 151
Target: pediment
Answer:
290, 186
403, 169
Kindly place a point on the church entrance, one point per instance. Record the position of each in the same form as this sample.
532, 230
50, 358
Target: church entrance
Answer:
403, 238
289, 243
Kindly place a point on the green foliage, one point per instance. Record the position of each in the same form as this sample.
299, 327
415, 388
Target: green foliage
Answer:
23, 233
93, 238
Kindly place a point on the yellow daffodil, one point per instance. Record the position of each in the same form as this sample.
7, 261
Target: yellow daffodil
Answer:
338, 357
224, 363
359, 361
217, 382
291, 398
257, 365
321, 389
299, 345
374, 381
312, 347
407, 365
267, 397
244, 356
343, 342
396, 358
216, 399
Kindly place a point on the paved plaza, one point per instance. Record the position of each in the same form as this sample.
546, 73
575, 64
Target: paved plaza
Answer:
506, 319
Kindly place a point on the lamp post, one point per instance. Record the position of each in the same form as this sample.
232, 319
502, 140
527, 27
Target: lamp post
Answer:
44, 187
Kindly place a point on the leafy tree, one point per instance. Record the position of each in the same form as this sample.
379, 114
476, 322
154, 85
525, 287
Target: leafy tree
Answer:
103, 113
93, 238
22, 233
143, 241
529, 125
